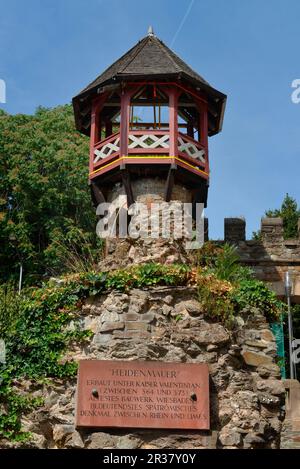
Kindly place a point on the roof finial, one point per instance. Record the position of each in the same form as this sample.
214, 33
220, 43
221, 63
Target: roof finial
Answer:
150, 31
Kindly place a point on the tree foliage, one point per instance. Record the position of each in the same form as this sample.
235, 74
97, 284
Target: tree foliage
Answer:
290, 214
44, 196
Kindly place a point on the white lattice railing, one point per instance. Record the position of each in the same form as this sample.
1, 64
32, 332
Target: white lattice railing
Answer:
191, 148
107, 147
149, 141
143, 141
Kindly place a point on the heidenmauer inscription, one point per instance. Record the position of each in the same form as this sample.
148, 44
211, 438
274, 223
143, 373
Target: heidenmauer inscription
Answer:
142, 395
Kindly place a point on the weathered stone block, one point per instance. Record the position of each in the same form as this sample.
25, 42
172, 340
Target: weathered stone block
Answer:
271, 386
101, 339
147, 317
255, 359
100, 440
269, 369
38, 441
132, 317
211, 348
168, 299
109, 316
230, 437
267, 335
234, 230
257, 344
128, 442
138, 301
132, 334
192, 307
137, 326
74, 441
166, 310
272, 230
211, 334
112, 326
61, 431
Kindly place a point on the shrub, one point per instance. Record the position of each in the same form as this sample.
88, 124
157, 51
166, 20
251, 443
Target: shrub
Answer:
76, 252
227, 265
9, 309
223, 262
146, 275
256, 293
207, 254
214, 297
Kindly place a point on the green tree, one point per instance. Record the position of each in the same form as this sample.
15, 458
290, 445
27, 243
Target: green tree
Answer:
290, 214
44, 196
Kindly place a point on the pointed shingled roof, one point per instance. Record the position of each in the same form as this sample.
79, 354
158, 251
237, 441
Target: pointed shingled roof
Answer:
149, 59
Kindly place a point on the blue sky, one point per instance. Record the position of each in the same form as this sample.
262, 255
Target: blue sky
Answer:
249, 49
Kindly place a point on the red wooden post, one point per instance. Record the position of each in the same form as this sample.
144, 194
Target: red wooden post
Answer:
203, 131
95, 136
173, 117
94, 133
124, 125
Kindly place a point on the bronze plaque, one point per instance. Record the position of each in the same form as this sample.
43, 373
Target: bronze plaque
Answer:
137, 394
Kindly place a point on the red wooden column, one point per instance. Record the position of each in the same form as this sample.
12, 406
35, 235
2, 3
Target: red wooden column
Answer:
125, 119
124, 124
203, 131
94, 133
173, 117
95, 136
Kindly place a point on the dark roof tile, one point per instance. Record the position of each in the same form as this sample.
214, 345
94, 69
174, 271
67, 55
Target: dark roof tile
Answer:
150, 57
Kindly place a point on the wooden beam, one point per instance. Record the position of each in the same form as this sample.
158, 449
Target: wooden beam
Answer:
185, 115
93, 135
97, 106
97, 195
188, 89
200, 196
203, 131
127, 185
173, 118
114, 104
125, 105
169, 184
125, 111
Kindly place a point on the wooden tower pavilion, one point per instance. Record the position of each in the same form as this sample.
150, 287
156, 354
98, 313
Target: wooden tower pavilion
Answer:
149, 116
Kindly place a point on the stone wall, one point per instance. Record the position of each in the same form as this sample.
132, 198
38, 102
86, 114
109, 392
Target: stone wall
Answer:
168, 324
269, 257
151, 190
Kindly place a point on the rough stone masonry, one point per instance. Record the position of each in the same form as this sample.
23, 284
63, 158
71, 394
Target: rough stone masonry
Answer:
168, 324
247, 396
